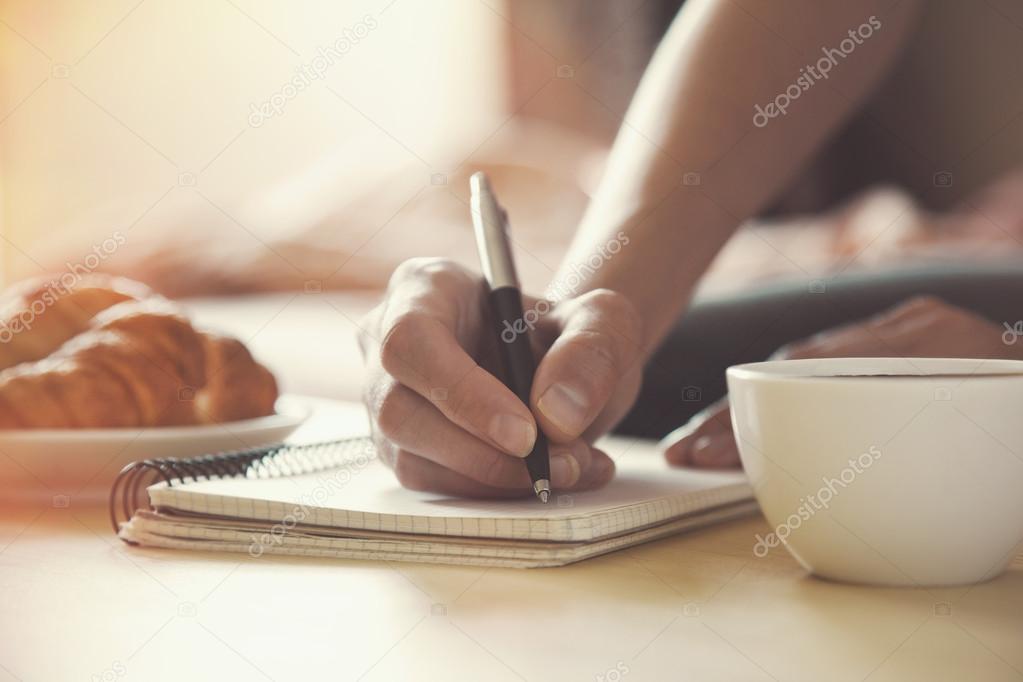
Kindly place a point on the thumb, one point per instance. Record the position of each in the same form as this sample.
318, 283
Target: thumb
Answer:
598, 350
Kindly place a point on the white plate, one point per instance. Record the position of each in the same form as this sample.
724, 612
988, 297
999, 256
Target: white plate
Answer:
72, 463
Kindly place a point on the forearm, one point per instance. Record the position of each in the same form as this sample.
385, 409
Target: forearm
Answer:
693, 117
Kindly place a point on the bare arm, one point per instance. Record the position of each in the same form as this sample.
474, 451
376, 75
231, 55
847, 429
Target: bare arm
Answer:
440, 416
696, 113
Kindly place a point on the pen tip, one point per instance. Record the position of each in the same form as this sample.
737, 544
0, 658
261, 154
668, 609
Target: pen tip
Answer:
545, 495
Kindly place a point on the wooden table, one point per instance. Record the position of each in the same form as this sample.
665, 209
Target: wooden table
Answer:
77, 604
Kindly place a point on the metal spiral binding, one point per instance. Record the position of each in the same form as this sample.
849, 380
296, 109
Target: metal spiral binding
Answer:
272, 461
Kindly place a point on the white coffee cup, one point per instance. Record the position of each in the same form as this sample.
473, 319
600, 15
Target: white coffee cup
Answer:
889, 471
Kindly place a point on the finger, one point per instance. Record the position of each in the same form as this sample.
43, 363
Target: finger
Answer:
711, 422
899, 339
414, 425
716, 451
598, 348
908, 309
420, 351
886, 333
859, 340
677, 443
419, 473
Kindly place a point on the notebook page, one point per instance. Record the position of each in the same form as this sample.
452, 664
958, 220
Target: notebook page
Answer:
366, 496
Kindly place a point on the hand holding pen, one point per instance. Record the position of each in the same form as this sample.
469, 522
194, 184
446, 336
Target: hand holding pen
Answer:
442, 417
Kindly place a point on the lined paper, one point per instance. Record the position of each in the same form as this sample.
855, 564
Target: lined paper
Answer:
358, 510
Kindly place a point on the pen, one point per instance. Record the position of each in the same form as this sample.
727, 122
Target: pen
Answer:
490, 225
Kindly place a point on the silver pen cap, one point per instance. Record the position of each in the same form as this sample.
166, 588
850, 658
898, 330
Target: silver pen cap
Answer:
490, 223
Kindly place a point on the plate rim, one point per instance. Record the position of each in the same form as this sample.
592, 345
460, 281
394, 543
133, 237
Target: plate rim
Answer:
289, 412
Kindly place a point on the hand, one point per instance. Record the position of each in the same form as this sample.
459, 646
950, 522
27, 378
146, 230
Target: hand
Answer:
920, 327
444, 422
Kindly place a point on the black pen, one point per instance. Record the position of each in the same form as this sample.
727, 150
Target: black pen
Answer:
490, 225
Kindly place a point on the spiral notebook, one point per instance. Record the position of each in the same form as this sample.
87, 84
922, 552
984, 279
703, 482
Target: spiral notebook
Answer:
335, 499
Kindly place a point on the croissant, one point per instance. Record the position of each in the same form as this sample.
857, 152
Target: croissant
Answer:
111, 354
38, 315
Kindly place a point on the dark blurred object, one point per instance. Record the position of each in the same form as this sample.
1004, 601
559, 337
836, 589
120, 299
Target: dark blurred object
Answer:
687, 374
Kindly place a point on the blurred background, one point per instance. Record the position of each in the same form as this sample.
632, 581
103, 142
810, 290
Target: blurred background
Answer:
272, 162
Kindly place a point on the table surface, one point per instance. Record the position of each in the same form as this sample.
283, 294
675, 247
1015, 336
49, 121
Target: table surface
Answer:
77, 603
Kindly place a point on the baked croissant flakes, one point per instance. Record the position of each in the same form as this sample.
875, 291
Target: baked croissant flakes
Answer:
110, 353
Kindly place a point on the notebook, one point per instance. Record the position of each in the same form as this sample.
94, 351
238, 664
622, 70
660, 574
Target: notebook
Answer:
337, 500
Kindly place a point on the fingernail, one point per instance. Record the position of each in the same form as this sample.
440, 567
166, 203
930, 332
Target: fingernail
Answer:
701, 443
707, 450
564, 470
565, 406
514, 435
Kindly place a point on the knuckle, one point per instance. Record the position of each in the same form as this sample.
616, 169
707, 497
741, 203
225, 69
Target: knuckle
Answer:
463, 400
391, 410
924, 302
792, 351
398, 344
435, 270
412, 267
620, 324
595, 353
491, 470
619, 307
456, 403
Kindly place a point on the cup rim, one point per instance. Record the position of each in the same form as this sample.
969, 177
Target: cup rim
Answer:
879, 368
